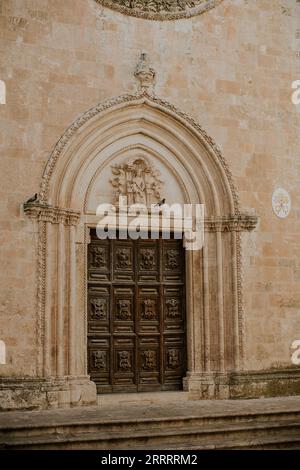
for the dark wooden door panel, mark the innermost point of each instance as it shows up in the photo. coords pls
(136, 314)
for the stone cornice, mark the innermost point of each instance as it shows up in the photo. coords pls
(160, 10)
(232, 223)
(54, 215)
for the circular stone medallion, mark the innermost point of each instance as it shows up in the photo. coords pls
(160, 9)
(281, 203)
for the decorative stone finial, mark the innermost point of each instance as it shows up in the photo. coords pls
(145, 73)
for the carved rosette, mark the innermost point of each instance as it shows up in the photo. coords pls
(160, 9)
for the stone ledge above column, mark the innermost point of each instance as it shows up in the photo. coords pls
(231, 223)
(54, 215)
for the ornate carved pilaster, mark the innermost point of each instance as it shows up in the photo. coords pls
(56, 262)
(72, 302)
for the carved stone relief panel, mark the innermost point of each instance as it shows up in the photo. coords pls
(281, 203)
(138, 181)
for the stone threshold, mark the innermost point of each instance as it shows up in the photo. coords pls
(142, 398)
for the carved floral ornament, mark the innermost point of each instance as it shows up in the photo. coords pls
(160, 9)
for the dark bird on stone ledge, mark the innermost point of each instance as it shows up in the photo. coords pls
(160, 203)
(32, 199)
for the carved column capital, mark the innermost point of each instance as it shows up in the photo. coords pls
(54, 215)
(231, 223)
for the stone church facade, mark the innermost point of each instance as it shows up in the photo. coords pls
(190, 102)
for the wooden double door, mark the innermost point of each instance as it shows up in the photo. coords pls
(136, 314)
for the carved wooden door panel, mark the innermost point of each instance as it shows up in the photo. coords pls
(136, 314)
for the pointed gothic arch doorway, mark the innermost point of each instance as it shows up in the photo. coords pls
(76, 179)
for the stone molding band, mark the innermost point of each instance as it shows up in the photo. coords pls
(232, 223)
(55, 215)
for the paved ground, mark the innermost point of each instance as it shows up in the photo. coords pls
(155, 411)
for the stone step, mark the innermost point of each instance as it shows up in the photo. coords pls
(211, 436)
(130, 420)
(286, 442)
(175, 424)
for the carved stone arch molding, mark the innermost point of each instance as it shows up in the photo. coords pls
(161, 10)
(115, 133)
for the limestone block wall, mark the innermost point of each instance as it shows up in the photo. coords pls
(230, 68)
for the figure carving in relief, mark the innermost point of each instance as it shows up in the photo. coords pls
(138, 188)
(138, 181)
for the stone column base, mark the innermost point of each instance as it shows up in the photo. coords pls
(243, 384)
(21, 393)
(207, 386)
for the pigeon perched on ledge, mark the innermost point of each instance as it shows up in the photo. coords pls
(32, 199)
(160, 203)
